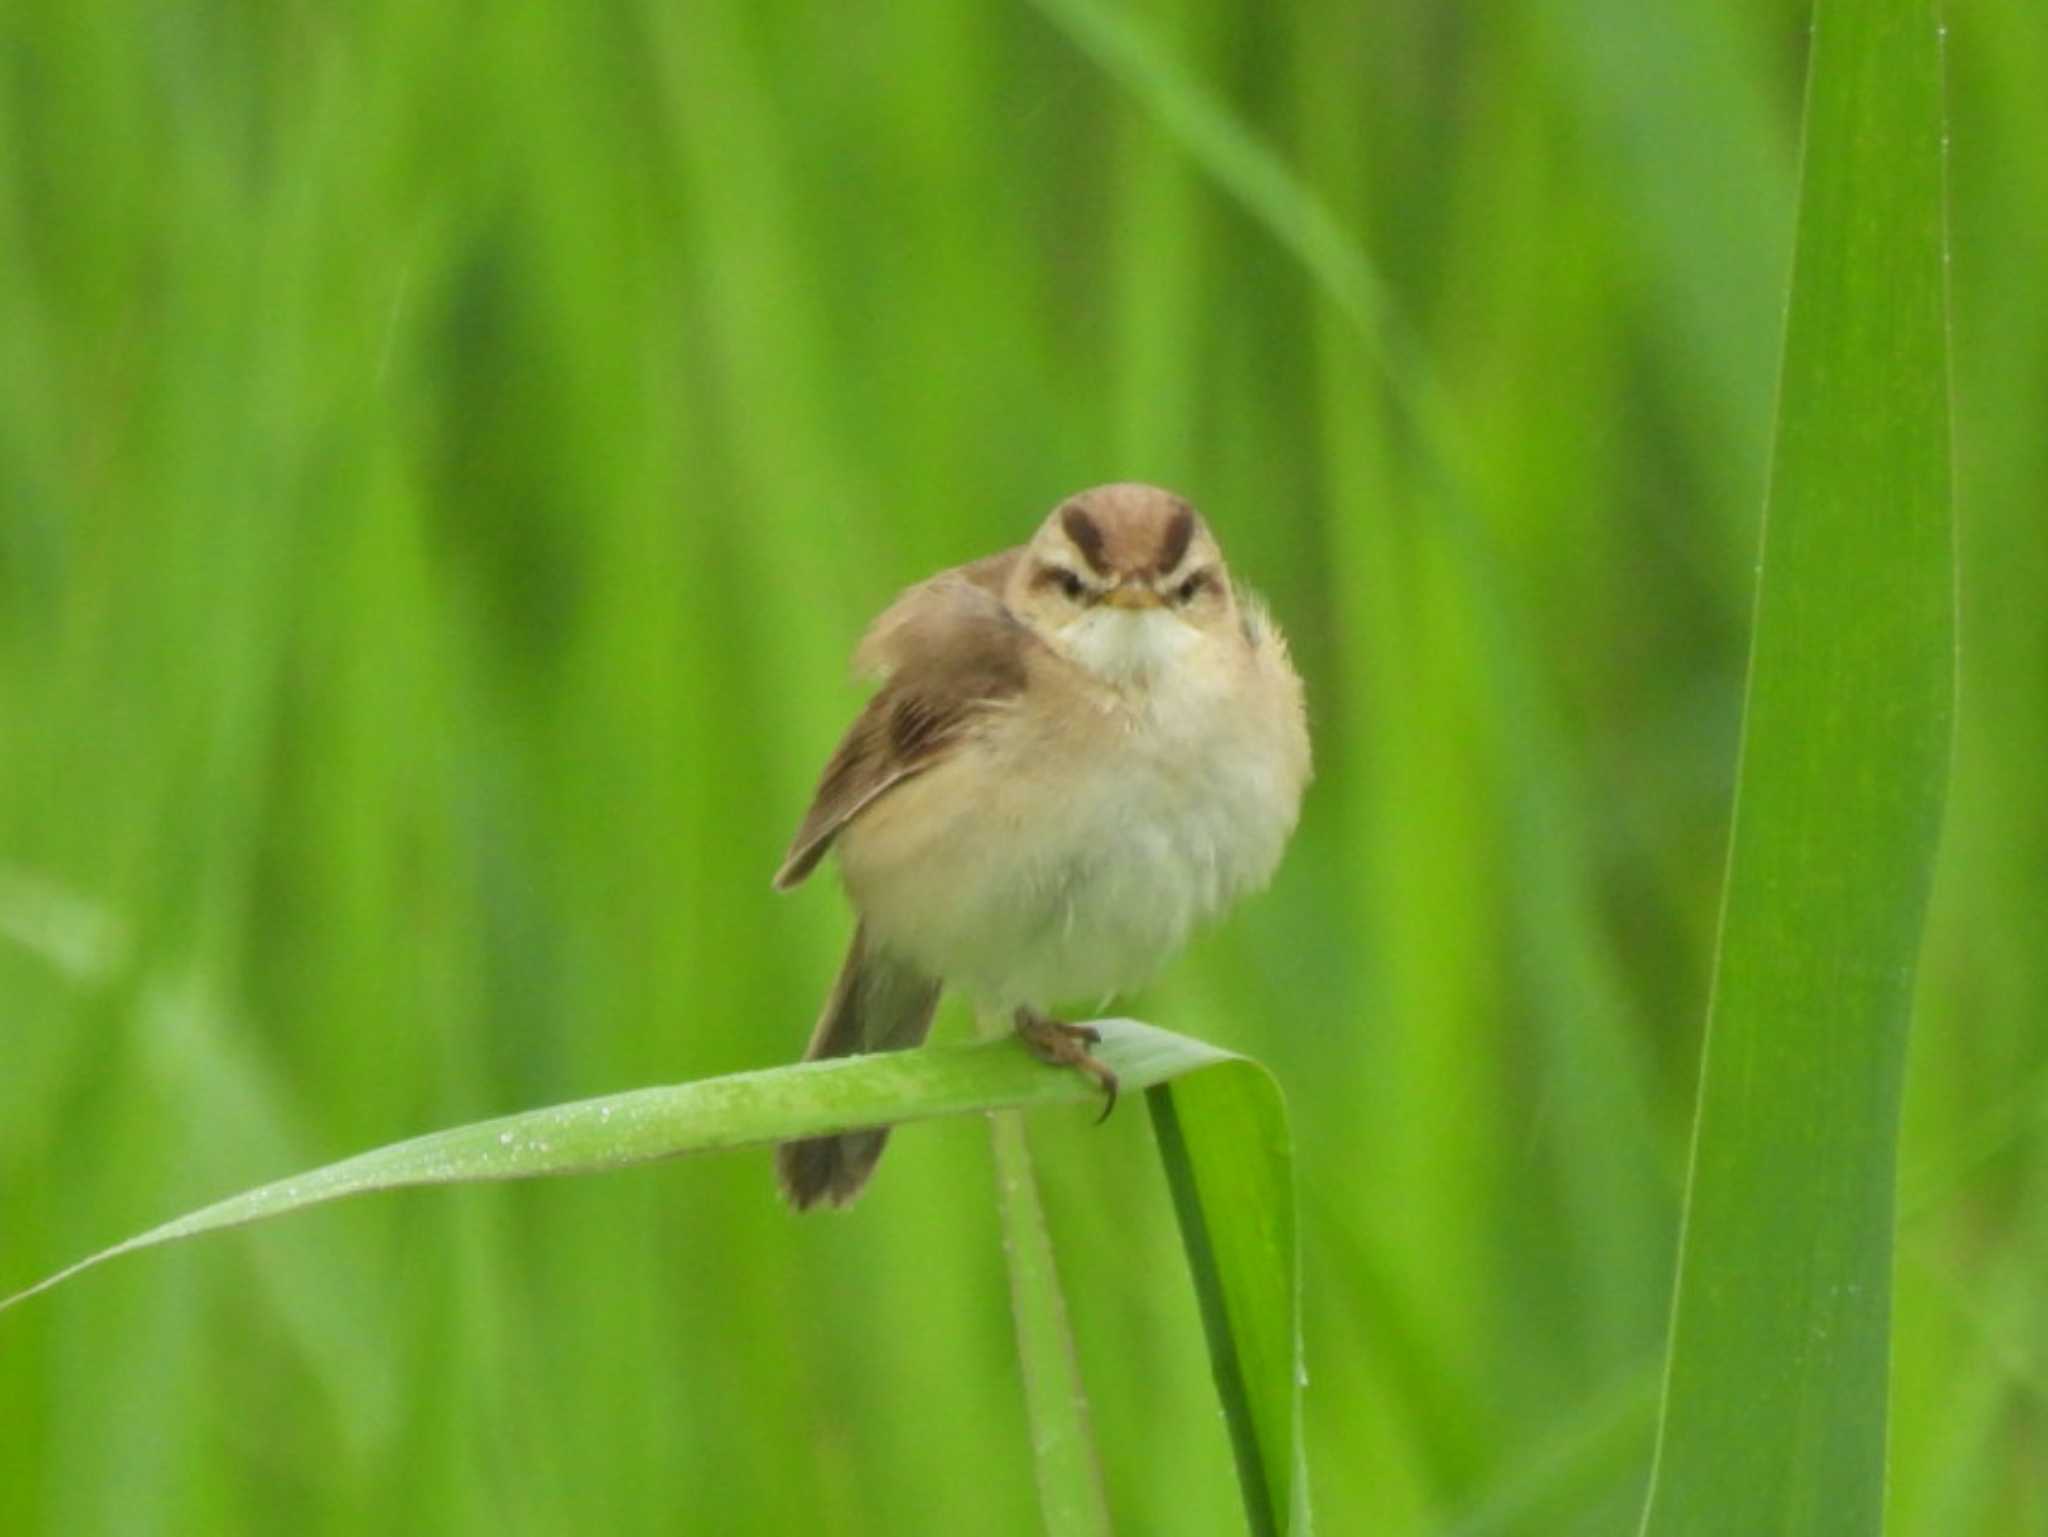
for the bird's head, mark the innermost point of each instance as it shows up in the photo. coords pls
(1123, 579)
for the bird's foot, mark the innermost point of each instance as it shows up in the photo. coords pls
(1064, 1045)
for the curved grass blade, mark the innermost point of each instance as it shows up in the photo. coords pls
(1303, 224)
(1223, 1136)
(615, 1131)
(1774, 1408)
(1230, 1164)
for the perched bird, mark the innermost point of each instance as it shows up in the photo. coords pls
(1080, 748)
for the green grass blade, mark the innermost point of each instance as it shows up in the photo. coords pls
(1071, 1500)
(1223, 1137)
(1126, 51)
(739, 1110)
(1774, 1414)
(1230, 1163)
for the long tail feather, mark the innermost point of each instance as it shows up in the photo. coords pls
(878, 1004)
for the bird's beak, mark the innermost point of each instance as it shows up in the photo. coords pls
(1131, 595)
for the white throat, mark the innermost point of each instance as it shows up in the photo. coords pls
(1126, 646)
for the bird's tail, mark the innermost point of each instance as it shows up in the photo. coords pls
(879, 1003)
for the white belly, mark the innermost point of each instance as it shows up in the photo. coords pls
(1040, 871)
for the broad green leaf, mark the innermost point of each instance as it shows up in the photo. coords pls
(1230, 1162)
(615, 1131)
(1774, 1412)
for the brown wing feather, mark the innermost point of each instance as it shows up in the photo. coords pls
(923, 620)
(950, 651)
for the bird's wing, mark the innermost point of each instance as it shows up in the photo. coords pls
(922, 617)
(949, 652)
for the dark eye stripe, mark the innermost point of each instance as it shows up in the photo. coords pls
(1049, 575)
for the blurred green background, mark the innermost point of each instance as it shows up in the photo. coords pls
(446, 455)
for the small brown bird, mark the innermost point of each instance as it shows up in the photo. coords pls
(1080, 748)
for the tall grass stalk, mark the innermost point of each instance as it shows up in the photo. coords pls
(1775, 1404)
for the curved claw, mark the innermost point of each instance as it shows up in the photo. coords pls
(1063, 1045)
(1107, 1078)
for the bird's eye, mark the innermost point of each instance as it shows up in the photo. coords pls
(1185, 593)
(1070, 585)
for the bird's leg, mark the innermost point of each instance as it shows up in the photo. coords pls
(1064, 1045)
